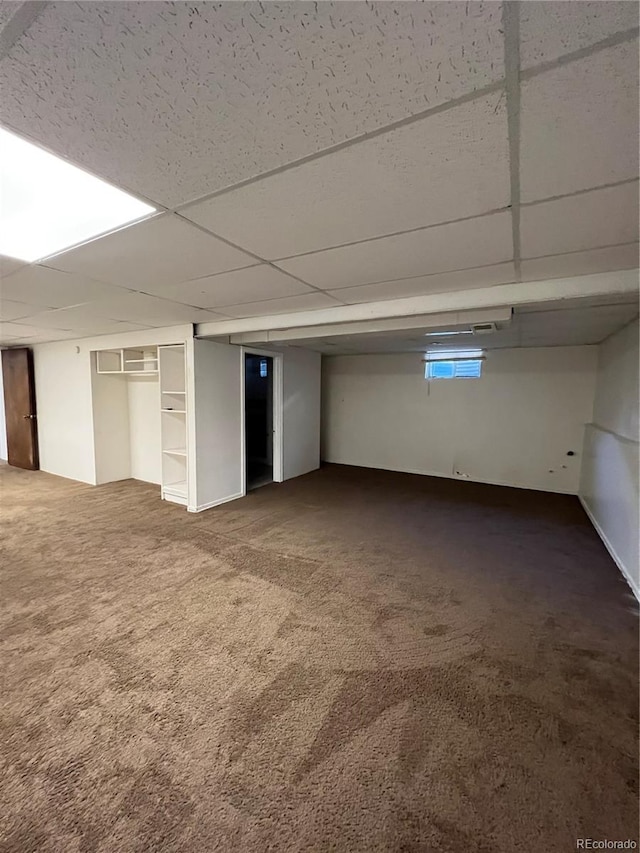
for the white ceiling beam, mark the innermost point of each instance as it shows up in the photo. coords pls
(390, 326)
(601, 284)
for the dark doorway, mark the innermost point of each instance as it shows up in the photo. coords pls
(20, 408)
(258, 420)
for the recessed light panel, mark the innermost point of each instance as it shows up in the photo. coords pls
(448, 334)
(48, 205)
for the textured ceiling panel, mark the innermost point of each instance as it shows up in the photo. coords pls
(78, 320)
(579, 124)
(18, 331)
(440, 283)
(9, 265)
(251, 86)
(43, 336)
(231, 288)
(150, 310)
(42, 286)
(582, 222)
(306, 302)
(153, 254)
(550, 30)
(434, 170)
(10, 310)
(461, 245)
(581, 263)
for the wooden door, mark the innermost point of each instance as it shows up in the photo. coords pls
(20, 408)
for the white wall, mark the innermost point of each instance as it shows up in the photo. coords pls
(301, 411)
(609, 483)
(65, 414)
(513, 426)
(145, 446)
(216, 391)
(3, 422)
(110, 404)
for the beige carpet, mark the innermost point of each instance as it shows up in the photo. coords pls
(351, 661)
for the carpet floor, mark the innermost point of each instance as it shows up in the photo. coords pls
(354, 660)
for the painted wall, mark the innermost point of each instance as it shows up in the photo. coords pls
(301, 411)
(65, 413)
(215, 386)
(110, 405)
(145, 446)
(514, 426)
(3, 422)
(609, 483)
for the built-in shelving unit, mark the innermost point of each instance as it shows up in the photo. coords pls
(129, 361)
(173, 408)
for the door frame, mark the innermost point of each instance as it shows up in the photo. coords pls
(278, 412)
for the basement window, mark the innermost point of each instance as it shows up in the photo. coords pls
(453, 365)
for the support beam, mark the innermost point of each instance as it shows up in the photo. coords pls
(392, 326)
(602, 284)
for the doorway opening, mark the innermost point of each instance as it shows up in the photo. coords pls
(258, 420)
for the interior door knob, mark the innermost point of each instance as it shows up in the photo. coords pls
(28, 417)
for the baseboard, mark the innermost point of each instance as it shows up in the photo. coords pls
(215, 503)
(457, 478)
(635, 589)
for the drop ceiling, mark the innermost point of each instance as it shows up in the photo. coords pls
(579, 322)
(305, 156)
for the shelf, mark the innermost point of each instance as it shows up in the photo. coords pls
(133, 361)
(179, 489)
(175, 411)
(176, 451)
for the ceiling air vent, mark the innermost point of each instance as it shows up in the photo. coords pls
(483, 328)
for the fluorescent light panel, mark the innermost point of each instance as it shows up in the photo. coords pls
(48, 205)
(452, 354)
(448, 334)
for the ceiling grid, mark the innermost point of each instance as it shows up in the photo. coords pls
(308, 157)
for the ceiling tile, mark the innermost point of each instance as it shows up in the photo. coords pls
(47, 335)
(79, 320)
(550, 30)
(232, 288)
(581, 263)
(306, 302)
(580, 302)
(579, 124)
(460, 245)
(10, 310)
(9, 265)
(439, 283)
(577, 325)
(452, 165)
(598, 218)
(18, 331)
(251, 86)
(150, 310)
(44, 287)
(153, 254)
